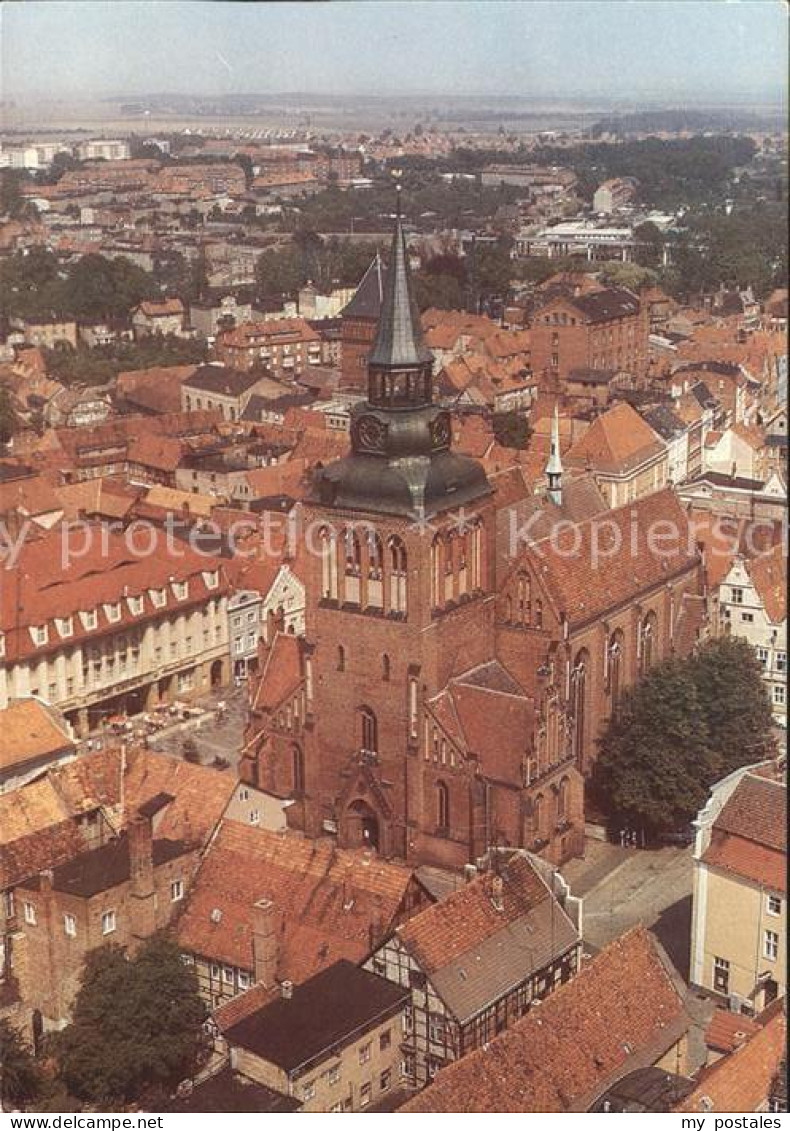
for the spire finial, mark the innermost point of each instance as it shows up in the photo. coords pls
(554, 466)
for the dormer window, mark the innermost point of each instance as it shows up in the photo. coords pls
(40, 635)
(181, 590)
(113, 611)
(135, 605)
(158, 597)
(211, 579)
(89, 619)
(65, 625)
(2, 644)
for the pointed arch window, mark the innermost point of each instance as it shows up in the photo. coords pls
(615, 667)
(386, 668)
(353, 565)
(437, 572)
(341, 658)
(647, 643)
(442, 806)
(539, 817)
(369, 730)
(328, 550)
(375, 571)
(562, 801)
(397, 564)
(579, 692)
(524, 599)
(297, 761)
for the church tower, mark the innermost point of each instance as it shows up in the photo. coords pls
(400, 593)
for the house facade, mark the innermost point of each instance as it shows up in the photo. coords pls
(467, 966)
(115, 633)
(752, 604)
(739, 911)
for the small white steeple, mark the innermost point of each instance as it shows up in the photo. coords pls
(554, 466)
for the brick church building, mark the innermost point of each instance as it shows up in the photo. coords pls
(428, 711)
(359, 322)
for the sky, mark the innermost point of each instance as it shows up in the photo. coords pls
(613, 49)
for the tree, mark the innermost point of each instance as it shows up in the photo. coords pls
(9, 421)
(629, 275)
(137, 1023)
(655, 763)
(20, 1077)
(512, 429)
(441, 291)
(651, 244)
(734, 702)
(279, 271)
(687, 724)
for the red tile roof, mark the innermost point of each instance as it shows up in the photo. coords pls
(622, 1010)
(281, 675)
(727, 1031)
(769, 575)
(617, 441)
(164, 308)
(741, 1082)
(757, 810)
(467, 917)
(585, 584)
(333, 903)
(749, 836)
(29, 730)
(53, 578)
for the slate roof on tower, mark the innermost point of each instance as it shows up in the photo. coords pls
(399, 340)
(369, 295)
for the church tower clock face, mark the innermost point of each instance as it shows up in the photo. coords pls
(370, 434)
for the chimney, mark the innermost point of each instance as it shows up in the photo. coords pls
(497, 892)
(140, 838)
(265, 943)
(286, 989)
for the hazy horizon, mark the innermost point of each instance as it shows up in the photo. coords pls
(716, 52)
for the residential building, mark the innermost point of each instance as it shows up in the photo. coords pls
(752, 603)
(244, 630)
(739, 911)
(163, 316)
(112, 632)
(103, 149)
(332, 1043)
(479, 959)
(604, 329)
(220, 387)
(627, 457)
(209, 317)
(738, 450)
(287, 347)
(47, 332)
(98, 849)
(751, 1077)
(623, 1010)
(33, 737)
(612, 195)
(675, 434)
(295, 907)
